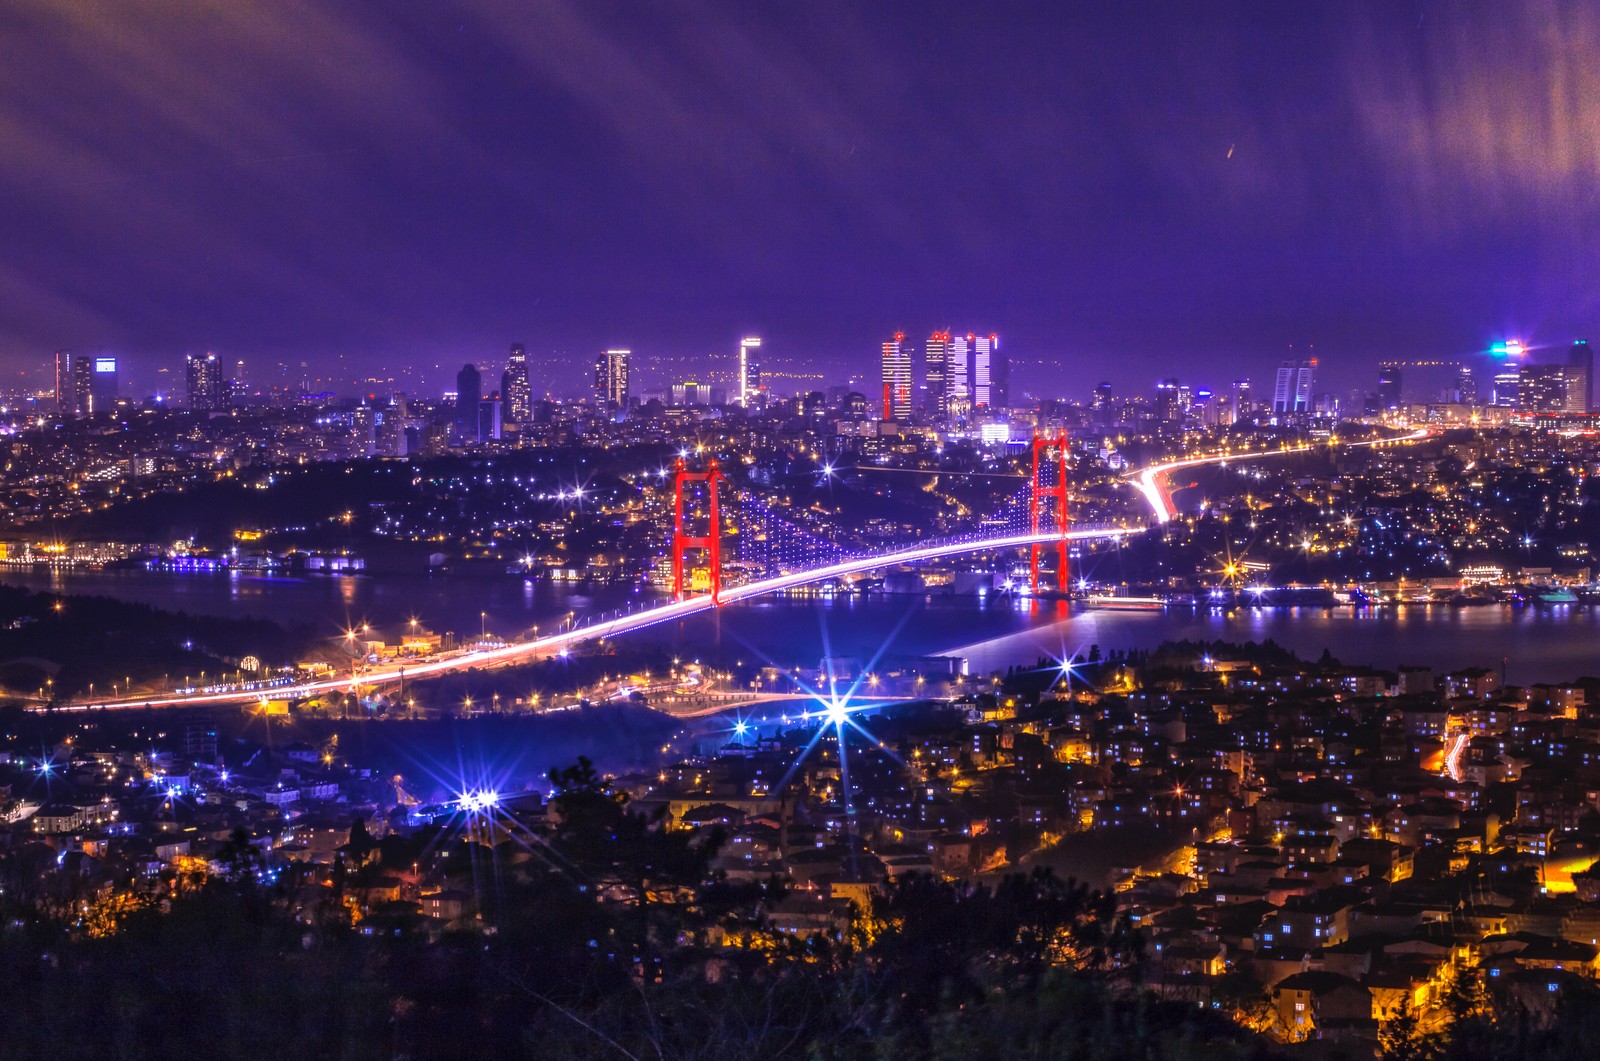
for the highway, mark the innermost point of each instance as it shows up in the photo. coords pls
(1149, 481)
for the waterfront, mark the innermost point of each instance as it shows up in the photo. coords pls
(1538, 643)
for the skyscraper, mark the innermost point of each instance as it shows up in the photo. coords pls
(999, 374)
(82, 386)
(982, 370)
(207, 389)
(517, 388)
(1167, 408)
(469, 392)
(937, 363)
(66, 403)
(897, 379)
(1541, 388)
(1466, 386)
(611, 378)
(1580, 377)
(748, 382)
(103, 385)
(1291, 393)
(1241, 399)
(1388, 387)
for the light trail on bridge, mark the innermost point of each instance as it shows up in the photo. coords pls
(1145, 480)
(1148, 481)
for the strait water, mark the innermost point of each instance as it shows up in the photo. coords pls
(1536, 643)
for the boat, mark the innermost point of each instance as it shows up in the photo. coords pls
(1558, 596)
(1142, 604)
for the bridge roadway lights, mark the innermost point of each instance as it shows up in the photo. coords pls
(711, 541)
(1039, 493)
(517, 651)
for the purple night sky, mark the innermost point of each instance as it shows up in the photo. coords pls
(1123, 190)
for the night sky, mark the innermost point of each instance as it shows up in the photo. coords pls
(1122, 190)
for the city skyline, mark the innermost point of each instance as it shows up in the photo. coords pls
(1122, 189)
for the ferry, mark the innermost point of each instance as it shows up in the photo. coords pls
(1141, 604)
(1558, 596)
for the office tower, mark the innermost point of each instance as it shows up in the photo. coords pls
(517, 387)
(1542, 388)
(469, 392)
(488, 420)
(937, 364)
(747, 384)
(1167, 410)
(1466, 386)
(1580, 378)
(611, 378)
(1507, 380)
(999, 374)
(1241, 399)
(83, 385)
(897, 379)
(1101, 398)
(1292, 391)
(207, 390)
(958, 366)
(103, 385)
(982, 378)
(65, 402)
(1388, 387)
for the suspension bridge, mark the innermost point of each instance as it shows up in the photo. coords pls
(1048, 530)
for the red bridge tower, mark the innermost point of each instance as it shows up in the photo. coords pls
(1040, 494)
(711, 541)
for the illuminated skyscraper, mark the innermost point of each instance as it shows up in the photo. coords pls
(748, 382)
(516, 387)
(66, 401)
(981, 365)
(611, 378)
(103, 385)
(1466, 386)
(208, 391)
(1293, 388)
(937, 363)
(897, 379)
(999, 374)
(82, 386)
(1580, 378)
(1541, 388)
(1241, 399)
(1167, 407)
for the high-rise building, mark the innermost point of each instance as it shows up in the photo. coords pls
(66, 400)
(999, 374)
(1167, 406)
(1541, 388)
(611, 378)
(208, 391)
(516, 387)
(83, 385)
(1507, 380)
(1292, 391)
(982, 370)
(469, 393)
(103, 385)
(937, 365)
(1580, 378)
(1466, 386)
(897, 379)
(488, 425)
(1241, 399)
(748, 382)
(1388, 387)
